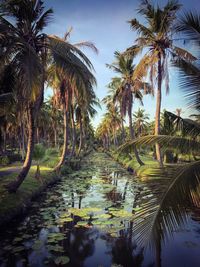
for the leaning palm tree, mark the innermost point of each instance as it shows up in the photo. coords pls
(156, 38)
(28, 50)
(128, 90)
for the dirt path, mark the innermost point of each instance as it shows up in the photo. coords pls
(9, 171)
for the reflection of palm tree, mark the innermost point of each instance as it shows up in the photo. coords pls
(123, 252)
(81, 245)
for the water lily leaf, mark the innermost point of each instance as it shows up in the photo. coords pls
(121, 213)
(55, 248)
(18, 239)
(104, 216)
(137, 208)
(8, 247)
(18, 249)
(53, 237)
(61, 260)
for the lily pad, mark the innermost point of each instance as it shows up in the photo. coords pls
(61, 260)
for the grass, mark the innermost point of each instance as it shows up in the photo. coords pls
(11, 204)
(142, 171)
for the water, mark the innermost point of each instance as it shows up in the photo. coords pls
(87, 220)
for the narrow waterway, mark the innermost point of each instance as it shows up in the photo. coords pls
(87, 220)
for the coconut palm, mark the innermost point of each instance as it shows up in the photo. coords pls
(85, 110)
(164, 209)
(28, 50)
(140, 121)
(68, 85)
(156, 39)
(111, 99)
(128, 90)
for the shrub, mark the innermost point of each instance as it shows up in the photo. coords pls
(39, 152)
(4, 160)
(51, 152)
(65, 170)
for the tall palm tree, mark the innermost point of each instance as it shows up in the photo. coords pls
(85, 110)
(111, 99)
(140, 121)
(28, 50)
(164, 210)
(68, 85)
(129, 89)
(156, 37)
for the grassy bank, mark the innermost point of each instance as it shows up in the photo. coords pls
(12, 205)
(131, 163)
(15, 204)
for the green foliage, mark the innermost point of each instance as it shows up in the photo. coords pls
(52, 151)
(65, 169)
(61, 260)
(4, 160)
(50, 161)
(39, 152)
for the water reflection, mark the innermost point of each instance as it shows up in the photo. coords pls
(101, 216)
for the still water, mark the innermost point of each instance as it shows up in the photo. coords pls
(87, 220)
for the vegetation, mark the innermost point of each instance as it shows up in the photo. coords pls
(54, 136)
(176, 140)
(30, 59)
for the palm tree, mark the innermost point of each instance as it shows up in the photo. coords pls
(111, 99)
(157, 38)
(140, 120)
(68, 85)
(83, 112)
(129, 89)
(28, 50)
(164, 209)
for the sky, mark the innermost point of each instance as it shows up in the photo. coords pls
(105, 23)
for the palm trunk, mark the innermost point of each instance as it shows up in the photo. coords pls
(65, 144)
(55, 137)
(38, 135)
(81, 137)
(73, 135)
(14, 185)
(22, 141)
(132, 135)
(158, 108)
(123, 131)
(4, 139)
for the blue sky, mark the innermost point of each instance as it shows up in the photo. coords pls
(105, 24)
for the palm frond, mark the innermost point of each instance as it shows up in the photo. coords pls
(87, 44)
(58, 45)
(187, 127)
(189, 24)
(180, 52)
(141, 29)
(189, 81)
(164, 203)
(183, 145)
